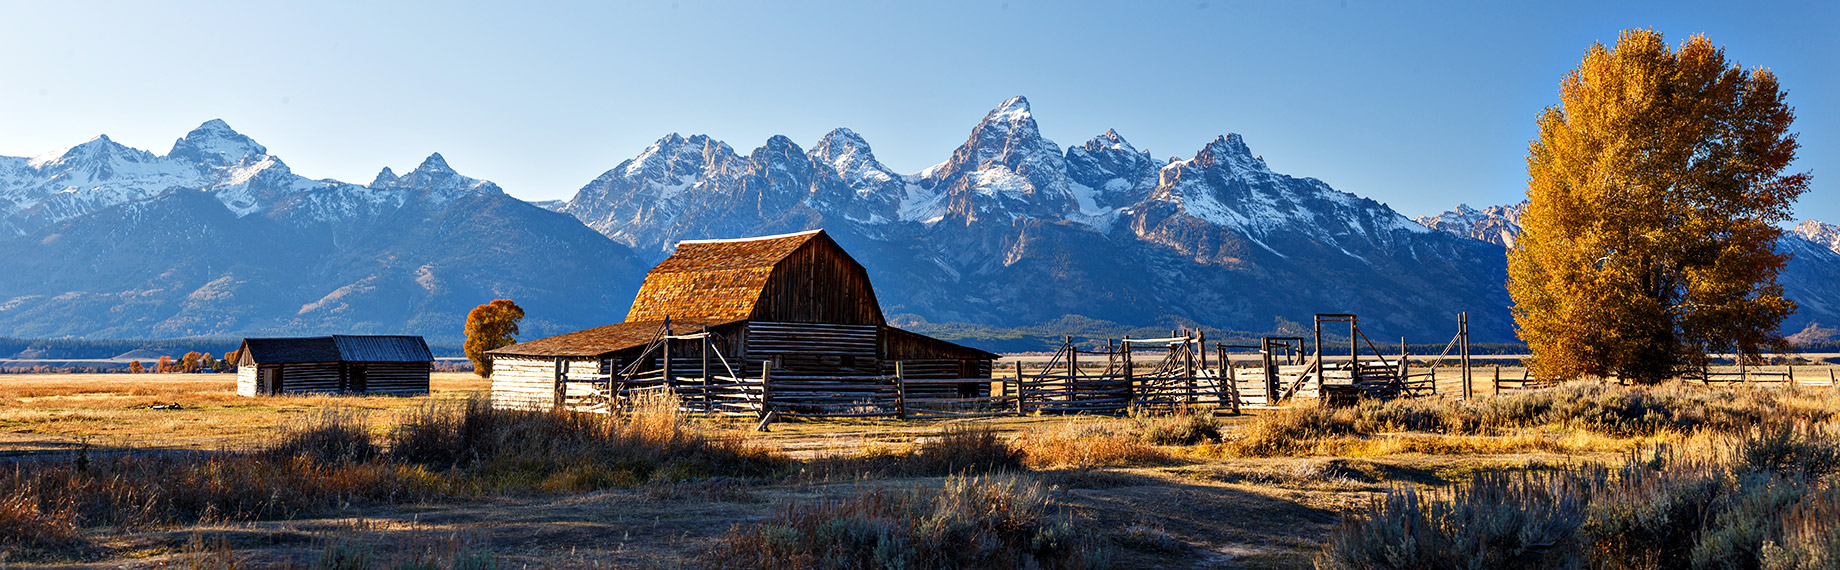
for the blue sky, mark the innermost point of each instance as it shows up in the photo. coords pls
(1417, 104)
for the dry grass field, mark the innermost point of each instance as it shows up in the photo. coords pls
(41, 412)
(429, 482)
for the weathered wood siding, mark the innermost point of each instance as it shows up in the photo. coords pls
(815, 349)
(246, 381)
(523, 383)
(309, 378)
(818, 283)
(394, 378)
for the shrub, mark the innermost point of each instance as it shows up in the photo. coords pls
(974, 522)
(1498, 520)
(1186, 427)
(1752, 501)
(961, 449)
(1294, 431)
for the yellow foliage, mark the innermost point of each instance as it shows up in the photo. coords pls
(1649, 238)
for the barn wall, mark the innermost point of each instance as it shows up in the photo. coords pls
(818, 283)
(246, 381)
(530, 383)
(397, 378)
(309, 377)
(814, 349)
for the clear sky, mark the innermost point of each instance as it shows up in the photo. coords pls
(1417, 104)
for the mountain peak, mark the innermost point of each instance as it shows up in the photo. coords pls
(843, 134)
(1828, 235)
(214, 143)
(95, 148)
(434, 163)
(1011, 110)
(1109, 140)
(384, 178)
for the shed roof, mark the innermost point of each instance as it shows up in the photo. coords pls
(599, 341)
(335, 348)
(714, 279)
(370, 348)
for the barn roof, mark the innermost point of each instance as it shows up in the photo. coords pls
(382, 348)
(335, 348)
(714, 279)
(602, 340)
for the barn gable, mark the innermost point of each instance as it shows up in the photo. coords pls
(795, 278)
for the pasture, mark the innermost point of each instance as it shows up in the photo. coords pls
(403, 486)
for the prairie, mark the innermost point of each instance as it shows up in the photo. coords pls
(101, 479)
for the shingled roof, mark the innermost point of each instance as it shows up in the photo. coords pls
(600, 341)
(714, 279)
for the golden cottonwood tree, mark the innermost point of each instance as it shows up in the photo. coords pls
(1649, 238)
(489, 326)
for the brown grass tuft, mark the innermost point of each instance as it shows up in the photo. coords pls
(1084, 445)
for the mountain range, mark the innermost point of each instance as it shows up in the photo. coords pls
(217, 237)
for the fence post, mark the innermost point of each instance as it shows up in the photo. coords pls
(1019, 409)
(1463, 333)
(1790, 378)
(900, 393)
(1498, 380)
(766, 388)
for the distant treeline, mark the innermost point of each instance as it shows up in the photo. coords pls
(81, 349)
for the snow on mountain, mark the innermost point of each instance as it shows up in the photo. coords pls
(231, 167)
(877, 195)
(1498, 225)
(1827, 235)
(1229, 187)
(1005, 170)
(654, 188)
(218, 238)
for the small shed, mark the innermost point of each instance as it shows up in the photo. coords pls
(795, 303)
(337, 364)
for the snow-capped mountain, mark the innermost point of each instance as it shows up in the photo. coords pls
(1498, 225)
(1011, 229)
(1824, 234)
(218, 237)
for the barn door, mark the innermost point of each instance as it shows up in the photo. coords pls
(359, 382)
(268, 380)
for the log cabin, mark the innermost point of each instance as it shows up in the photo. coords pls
(337, 364)
(796, 304)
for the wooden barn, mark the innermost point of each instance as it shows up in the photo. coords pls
(721, 313)
(338, 364)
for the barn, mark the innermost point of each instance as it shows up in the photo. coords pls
(338, 364)
(730, 311)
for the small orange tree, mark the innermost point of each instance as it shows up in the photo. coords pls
(491, 326)
(165, 364)
(134, 367)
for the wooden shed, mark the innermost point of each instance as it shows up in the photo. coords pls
(795, 303)
(338, 364)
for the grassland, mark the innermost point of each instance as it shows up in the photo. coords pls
(424, 482)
